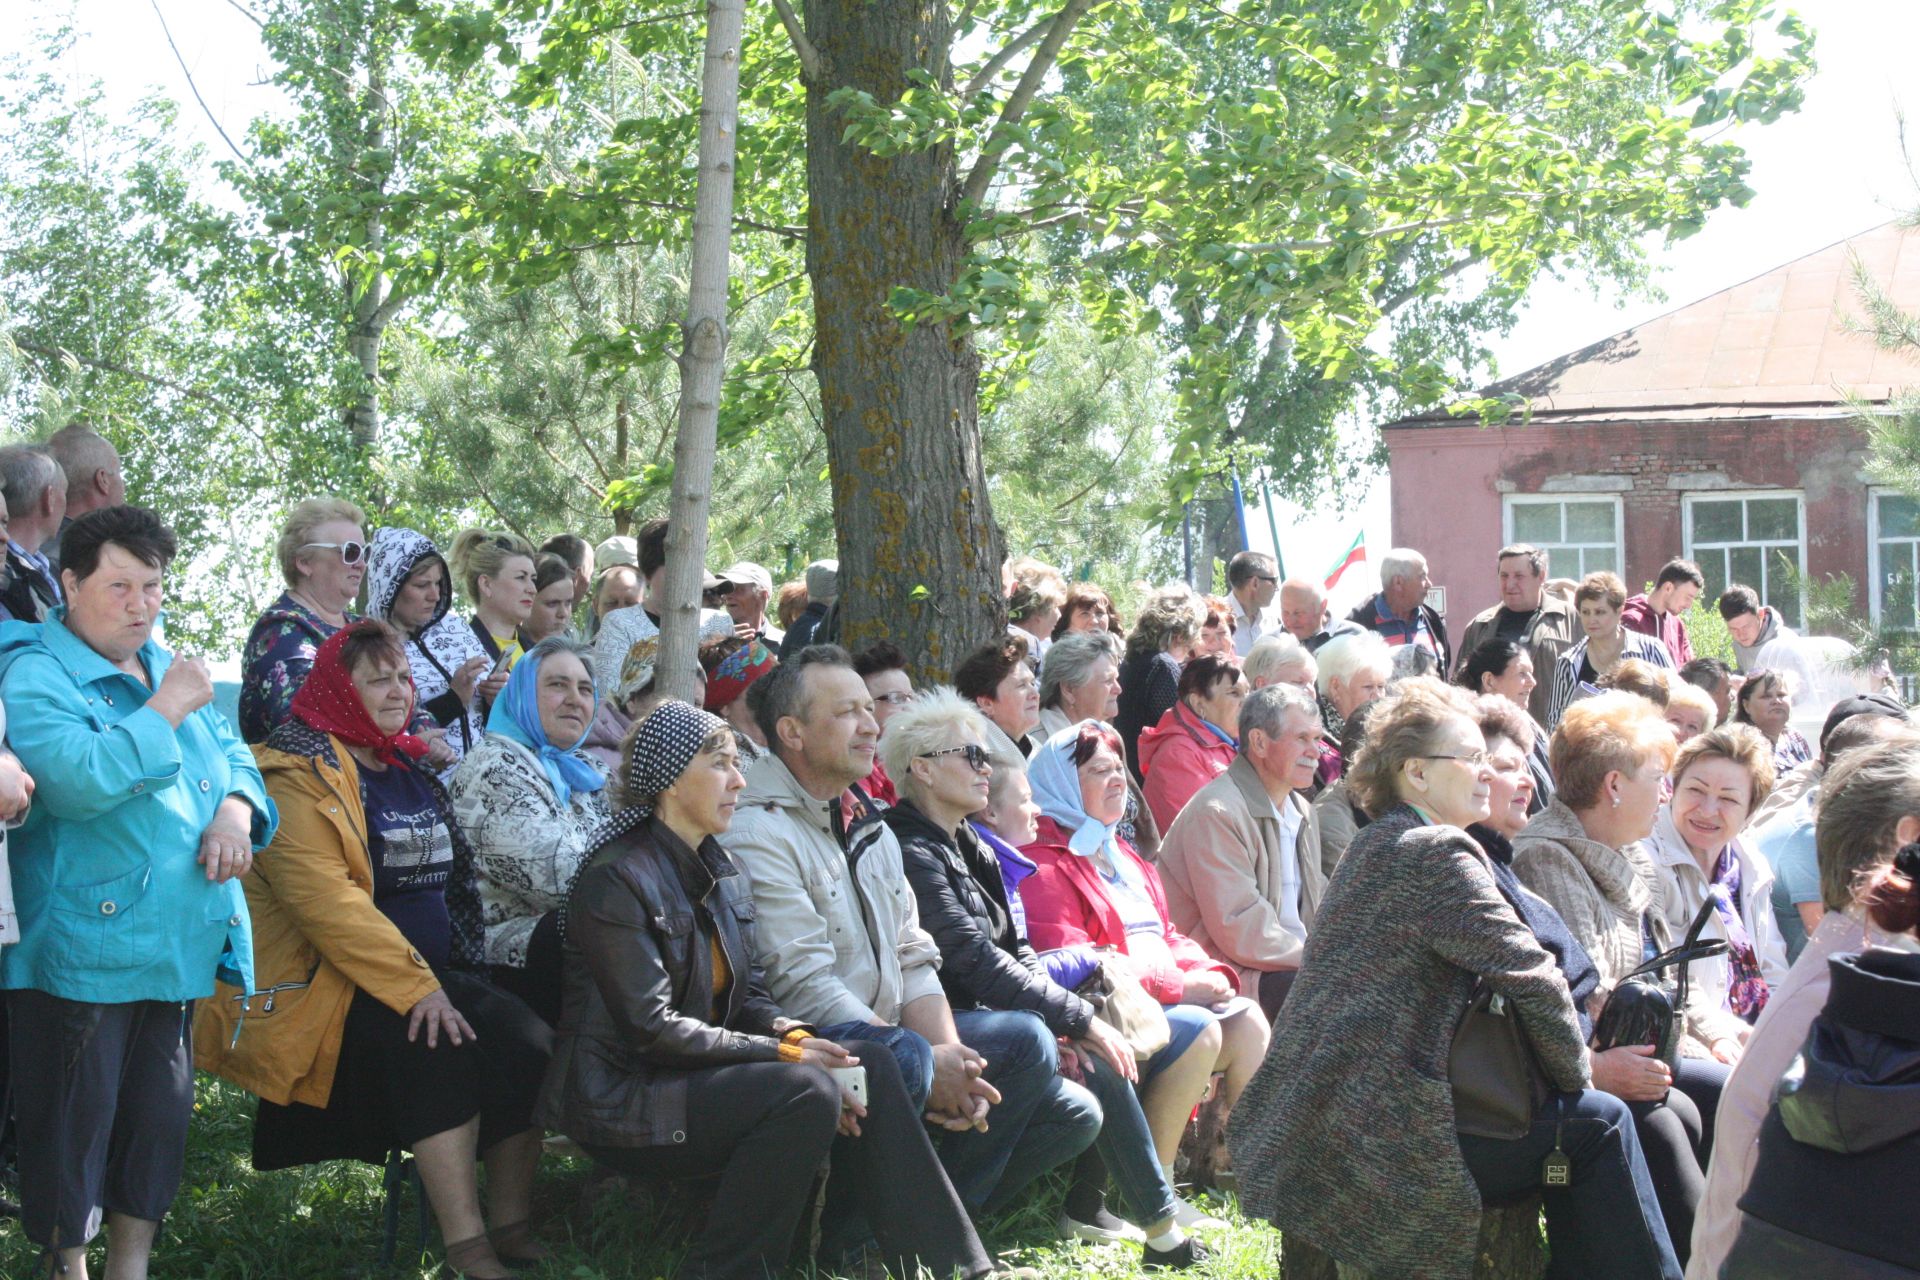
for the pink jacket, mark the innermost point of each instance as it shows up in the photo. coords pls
(1179, 756)
(1777, 1038)
(1067, 905)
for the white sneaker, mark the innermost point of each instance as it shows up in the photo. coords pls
(1189, 1217)
(1106, 1231)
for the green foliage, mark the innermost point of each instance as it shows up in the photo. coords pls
(322, 1222)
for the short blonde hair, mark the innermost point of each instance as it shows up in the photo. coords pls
(302, 523)
(1632, 675)
(1610, 732)
(1601, 586)
(1403, 727)
(1680, 693)
(1742, 744)
(931, 722)
(1272, 654)
(483, 553)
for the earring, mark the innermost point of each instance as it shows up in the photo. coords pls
(1616, 802)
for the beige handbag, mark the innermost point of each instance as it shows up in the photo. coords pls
(1122, 1003)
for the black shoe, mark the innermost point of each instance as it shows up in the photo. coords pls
(1183, 1256)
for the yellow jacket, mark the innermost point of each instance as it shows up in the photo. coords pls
(317, 935)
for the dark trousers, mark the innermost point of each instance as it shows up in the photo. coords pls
(766, 1128)
(1607, 1223)
(537, 983)
(103, 1093)
(1274, 986)
(1674, 1138)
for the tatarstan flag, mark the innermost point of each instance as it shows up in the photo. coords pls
(1356, 554)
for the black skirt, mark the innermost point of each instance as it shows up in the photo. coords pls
(390, 1092)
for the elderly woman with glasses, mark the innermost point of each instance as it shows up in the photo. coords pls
(529, 800)
(1347, 1137)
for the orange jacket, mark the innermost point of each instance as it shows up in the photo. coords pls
(317, 937)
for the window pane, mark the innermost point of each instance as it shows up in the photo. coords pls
(1590, 522)
(1746, 566)
(1713, 567)
(1783, 564)
(1897, 580)
(1536, 522)
(1717, 521)
(1594, 559)
(1899, 516)
(1773, 520)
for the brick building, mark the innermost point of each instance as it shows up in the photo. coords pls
(1720, 430)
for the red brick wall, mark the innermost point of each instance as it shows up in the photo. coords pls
(1447, 489)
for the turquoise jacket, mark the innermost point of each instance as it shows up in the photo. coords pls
(114, 905)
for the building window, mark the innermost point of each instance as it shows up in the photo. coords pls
(1580, 535)
(1896, 559)
(1758, 539)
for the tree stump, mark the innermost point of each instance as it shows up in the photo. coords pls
(1509, 1249)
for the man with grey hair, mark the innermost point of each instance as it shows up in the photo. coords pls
(94, 480)
(749, 591)
(1241, 864)
(35, 490)
(1529, 615)
(823, 589)
(1400, 614)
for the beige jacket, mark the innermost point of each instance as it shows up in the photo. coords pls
(1603, 894)
(838, 933)
(1222, 863)
(1777, 1039)
(1333, 813)
(1552, 632)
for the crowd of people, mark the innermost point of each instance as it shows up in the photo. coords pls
(459, 880)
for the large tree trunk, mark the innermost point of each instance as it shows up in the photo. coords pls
(703, 357)
(919, 550)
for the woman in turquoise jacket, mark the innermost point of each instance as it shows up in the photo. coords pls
(147, 809)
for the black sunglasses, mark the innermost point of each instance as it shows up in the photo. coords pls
(976, 755)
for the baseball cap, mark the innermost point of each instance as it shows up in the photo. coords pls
(747, 573)
(1861, 704)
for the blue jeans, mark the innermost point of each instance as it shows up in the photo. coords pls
(1041, 1121)
(1608, 1222)
(1125, 1145)
(909, 1048)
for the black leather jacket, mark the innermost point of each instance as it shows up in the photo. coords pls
(637, 1012)
(985, 962)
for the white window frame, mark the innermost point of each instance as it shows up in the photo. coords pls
(1508, 501)
(1746, 495)
(1876, 587)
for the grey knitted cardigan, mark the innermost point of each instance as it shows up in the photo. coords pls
(1345, 1135)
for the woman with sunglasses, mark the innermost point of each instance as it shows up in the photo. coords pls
(322, 552)
(936, 750)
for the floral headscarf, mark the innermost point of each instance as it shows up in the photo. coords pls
(516, 717)
(329, 702)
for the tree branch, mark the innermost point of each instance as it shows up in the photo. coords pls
(195, 89)
(998, 62)
(1296, 246)
(1058, 29)
(126, 371)
(1412, 291)
(813, 68)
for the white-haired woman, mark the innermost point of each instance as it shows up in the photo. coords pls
(322, 552)
(1353, 669)
(1079, 680)
(935, 751)
(1280, 659)
(1161, 641)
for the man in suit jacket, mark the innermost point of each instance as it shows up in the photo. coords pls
(1541, 622)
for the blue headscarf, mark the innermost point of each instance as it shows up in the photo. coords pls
(1055, 780)
(516, 716)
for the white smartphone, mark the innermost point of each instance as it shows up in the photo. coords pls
(852, 1082)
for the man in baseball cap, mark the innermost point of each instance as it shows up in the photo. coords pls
(752, 591)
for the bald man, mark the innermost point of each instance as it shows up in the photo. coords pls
(94, 480)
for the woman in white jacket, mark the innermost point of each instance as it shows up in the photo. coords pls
(1719, 778)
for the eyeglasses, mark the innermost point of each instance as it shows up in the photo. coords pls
(976, 756)
(350, 552)
(1478, 759)
(1264, 577)
(894, 699)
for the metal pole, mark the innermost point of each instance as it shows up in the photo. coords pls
(1266, 497)
(1186, 541)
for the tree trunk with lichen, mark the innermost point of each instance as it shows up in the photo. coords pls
(919, 550)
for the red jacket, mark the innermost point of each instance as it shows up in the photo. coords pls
(1179, 756)
(1637, 614)
(1067, 905)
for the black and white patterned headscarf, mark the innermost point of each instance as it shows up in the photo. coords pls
(664, 744)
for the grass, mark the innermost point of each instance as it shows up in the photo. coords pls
(230, 1223)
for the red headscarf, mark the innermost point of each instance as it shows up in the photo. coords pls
(329, 702)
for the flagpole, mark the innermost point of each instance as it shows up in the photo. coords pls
(1266, 496)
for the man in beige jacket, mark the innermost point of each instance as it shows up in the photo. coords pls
(1241, 864)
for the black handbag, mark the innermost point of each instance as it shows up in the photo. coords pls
(1497, 1085)
(1645, 1008)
